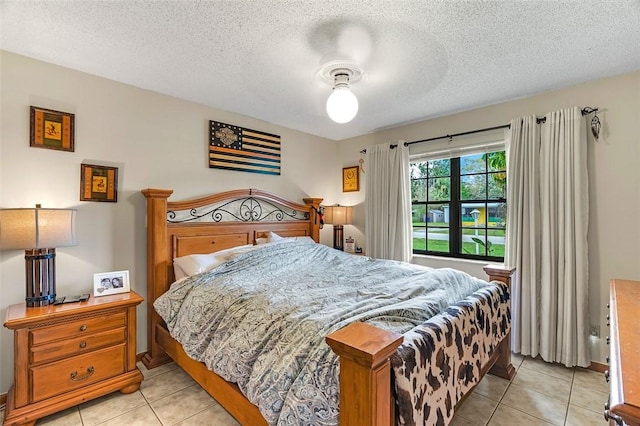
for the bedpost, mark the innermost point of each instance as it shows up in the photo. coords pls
(365, 373)
(315, 223)
(156, 269)
(502, 367)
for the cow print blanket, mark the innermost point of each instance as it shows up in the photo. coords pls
(441, 359)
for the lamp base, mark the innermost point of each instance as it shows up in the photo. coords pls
(40, 271)
(338, 237)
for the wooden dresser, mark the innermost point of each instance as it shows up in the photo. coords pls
(71, 353)
(623, 406)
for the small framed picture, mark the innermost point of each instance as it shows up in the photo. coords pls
(98, 183)
(350, 245)
(107, 283)
(351, 179)
(52, 129)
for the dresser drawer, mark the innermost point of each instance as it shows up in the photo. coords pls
(79, 327)
(72, 373)
(77, 345)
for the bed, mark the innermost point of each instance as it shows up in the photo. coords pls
(440, 359)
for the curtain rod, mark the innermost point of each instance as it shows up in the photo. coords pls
(585, 111)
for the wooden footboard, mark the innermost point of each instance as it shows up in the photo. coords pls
(365, 373)
(364, 350)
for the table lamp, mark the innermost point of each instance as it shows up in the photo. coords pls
(338, 216)
(38, 232)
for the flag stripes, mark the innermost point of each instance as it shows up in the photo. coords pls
(235, 148)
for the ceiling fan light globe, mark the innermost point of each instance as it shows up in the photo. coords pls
(342, 105)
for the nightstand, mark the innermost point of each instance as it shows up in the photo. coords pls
(71, 353)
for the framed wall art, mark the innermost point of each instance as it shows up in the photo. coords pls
(52, 129)
(107, 283)
(351, 179)
(98, 183)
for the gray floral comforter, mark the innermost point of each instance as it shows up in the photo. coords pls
(259, 319)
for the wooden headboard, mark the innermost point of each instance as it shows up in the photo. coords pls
(211, 223)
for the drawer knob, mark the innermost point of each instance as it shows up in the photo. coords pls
(76, 378)
(83, 345)
(83, 327)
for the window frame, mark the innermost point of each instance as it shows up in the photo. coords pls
(455, 208)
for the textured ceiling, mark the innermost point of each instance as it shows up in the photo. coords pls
(421, 59)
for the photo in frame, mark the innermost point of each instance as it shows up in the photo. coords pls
(52, 129)
(350, 245)
(98, 183)
(351, 179)
(107, 283)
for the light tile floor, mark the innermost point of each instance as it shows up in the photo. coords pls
(539, 394)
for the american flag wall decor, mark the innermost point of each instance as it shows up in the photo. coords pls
(236, 148)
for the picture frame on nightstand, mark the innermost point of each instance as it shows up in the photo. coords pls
(107, 283)
(350, 245)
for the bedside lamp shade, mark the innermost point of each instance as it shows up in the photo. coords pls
(338, 216)
(38, 232)
(37, 228)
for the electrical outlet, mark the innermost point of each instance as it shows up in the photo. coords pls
(594, 330)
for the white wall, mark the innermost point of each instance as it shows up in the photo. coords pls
(614, 176)
(155, 141)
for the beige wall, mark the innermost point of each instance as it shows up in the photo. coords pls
(154, 140)
(614, 176)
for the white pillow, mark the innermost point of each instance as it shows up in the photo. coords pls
(305, 239)
(178, 273)
(273, 237)
(196, 263)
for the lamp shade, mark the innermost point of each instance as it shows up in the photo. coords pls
(342, 105)
(338, 215)
(37, 228)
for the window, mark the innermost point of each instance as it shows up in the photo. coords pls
(459, 206)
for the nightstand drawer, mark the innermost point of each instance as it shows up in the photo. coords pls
(72, 328)
(77, 372)
(77, 345)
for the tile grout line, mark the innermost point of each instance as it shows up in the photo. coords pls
(116, 415)
(493, 413)
(80, 414)
(148, 403)
(533, 390)
(566, 414)
(533, 415)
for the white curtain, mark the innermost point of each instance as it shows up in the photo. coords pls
(547, 221)
(388, 202)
